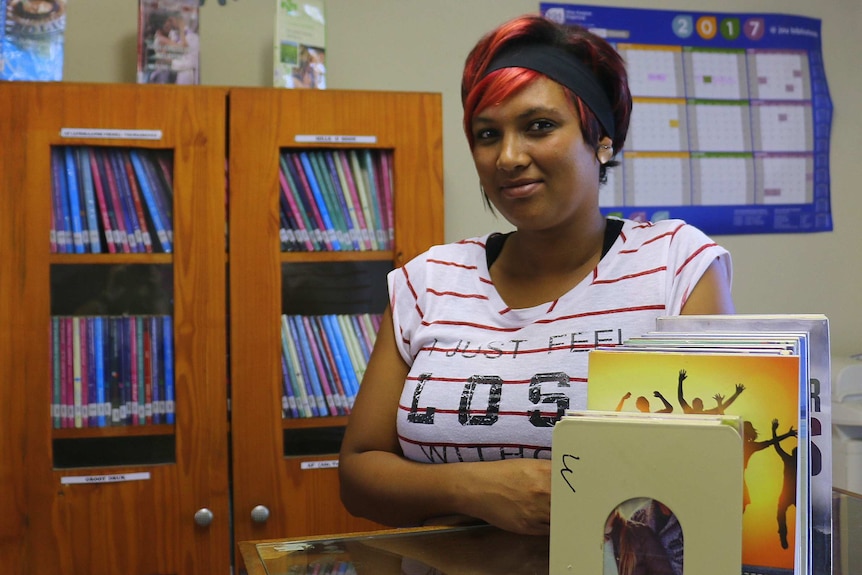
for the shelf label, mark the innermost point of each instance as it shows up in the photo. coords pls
(327, 464)
(112, 478)
(107, 133)
(332, 139)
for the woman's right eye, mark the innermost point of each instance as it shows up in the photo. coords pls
(485, 134)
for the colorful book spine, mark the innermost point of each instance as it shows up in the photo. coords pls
(369, 176)
(58, 227)
(113, 198)
(165, 191)
(56, 371)
(168, 366)
(325, 405)
(160, 185)
(297, 379)
(364, 198)
(304, 201)
(147, 369)
(114, 362)
(348, 216)
(306, 195)
(346, 364)
(329, 369)
(298, 216)
(343, 164)
(74, 197)
(99, 360)
(354, 214)
(134, 392)
(321, 175)
(317, 194)
(76, 373)
(135, 194)
(156, 368)
(388, 194)
(92, 240)
(149, 198)
(125, 372)
(133, 229)
(114, 180)
(306, 363)
(102, 202)
(92, 383)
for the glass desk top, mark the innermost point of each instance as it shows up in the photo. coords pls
(474, 550)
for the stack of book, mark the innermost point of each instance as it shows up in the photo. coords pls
(111, 200)
(336, 200)
(112, 370)
(323, 360)
(773, 371)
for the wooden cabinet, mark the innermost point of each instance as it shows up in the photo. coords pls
(114, 499)
(301, 492)
(173, 498)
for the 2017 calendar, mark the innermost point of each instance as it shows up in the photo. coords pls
(731, 118)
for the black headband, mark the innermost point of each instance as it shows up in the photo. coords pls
(564, 68)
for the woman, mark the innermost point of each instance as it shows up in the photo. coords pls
(484, 344)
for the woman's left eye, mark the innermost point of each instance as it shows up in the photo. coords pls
(541, 126)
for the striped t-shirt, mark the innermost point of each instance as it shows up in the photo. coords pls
(488, 382)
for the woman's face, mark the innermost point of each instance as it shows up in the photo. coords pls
(532, 160)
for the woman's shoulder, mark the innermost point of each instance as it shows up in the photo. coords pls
(672, 229)
(459, 251)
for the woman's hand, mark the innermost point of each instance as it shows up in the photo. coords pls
(513, 494)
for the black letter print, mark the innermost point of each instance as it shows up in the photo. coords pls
(414, 416)
(492, 412)
(537, 397)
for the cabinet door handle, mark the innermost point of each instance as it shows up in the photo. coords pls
(203, 517)
(260, 514)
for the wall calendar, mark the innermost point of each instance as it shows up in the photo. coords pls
(731, 118)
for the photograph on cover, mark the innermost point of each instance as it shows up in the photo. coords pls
(168, 42)
(643, 535)
(306, 65)
(32, 38)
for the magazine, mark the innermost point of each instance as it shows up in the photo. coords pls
(168, 42)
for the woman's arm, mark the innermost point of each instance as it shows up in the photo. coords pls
(378, 483)
(711, 295)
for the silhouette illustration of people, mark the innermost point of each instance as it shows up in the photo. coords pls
(696, 405)
(752, 446)
(642, 403)
(788, 486)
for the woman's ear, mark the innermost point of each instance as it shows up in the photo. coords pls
(605, 151)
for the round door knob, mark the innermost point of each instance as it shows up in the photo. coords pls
(203, 517)
(260, 514)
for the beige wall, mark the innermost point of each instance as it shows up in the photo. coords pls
(420, 45)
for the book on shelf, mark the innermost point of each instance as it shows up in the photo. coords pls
(761, 377)
(816, 327)
(322, 363)
(299, 47)
(336, 199)
(105, 371)
(168, 42)
(109, 199)
(108, 225)
(646, 493)
(91, 237)
(74, 197)
(168, 368)
(135, 204)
